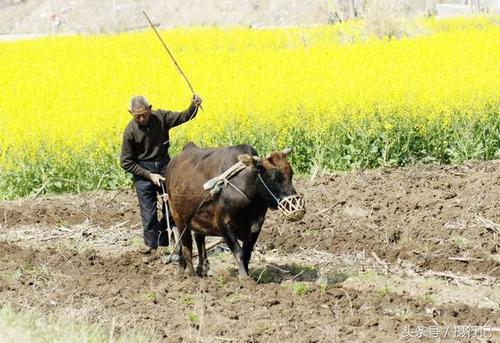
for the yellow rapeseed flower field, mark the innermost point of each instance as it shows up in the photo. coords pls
(342, 99)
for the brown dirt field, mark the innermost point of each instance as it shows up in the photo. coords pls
(379, 252)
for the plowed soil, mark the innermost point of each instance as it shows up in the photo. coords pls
(381, 255)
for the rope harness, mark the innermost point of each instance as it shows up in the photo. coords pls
(215, 184)
(175, 232)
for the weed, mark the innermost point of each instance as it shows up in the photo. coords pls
(300, 288)
(194, 319)
(187, 299)
(384, 291)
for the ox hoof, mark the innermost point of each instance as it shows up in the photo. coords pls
(189, 272)
(247, 281)
(243, 276)
(201, 272)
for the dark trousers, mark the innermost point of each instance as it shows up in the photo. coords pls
(155, 233)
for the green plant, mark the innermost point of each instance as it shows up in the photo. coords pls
(384, 291)
(220, 281)
(187, 299)
(323, 288)
(194, 319)
(151, 296)
(300, 288)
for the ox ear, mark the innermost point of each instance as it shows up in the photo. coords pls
(246, 159)
(257, 161)
(287, 151)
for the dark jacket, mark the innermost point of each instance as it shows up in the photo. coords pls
(150, 142)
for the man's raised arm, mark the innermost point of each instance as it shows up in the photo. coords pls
(176, 118)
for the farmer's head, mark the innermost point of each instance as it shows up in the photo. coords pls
(140, 109)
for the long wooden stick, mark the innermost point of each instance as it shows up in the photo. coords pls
(170, 54)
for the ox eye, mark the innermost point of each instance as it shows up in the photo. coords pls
(275, 175)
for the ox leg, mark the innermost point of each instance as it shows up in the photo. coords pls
(182, 260)
(248, 248)
(187, 251)
(202, 269)
(234, 245)
(179, 241)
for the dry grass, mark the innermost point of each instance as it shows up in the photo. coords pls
(31, 326)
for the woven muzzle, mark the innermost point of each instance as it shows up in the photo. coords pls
(292, 207)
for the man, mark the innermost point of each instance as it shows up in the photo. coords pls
(145, 155)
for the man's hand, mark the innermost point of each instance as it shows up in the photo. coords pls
(197, 100)
(156, 179)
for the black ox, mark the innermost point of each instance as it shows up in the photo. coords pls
(238, 210)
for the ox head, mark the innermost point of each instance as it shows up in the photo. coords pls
(274, 183)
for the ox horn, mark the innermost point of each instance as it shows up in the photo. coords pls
(257, 159)
(287, 151)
